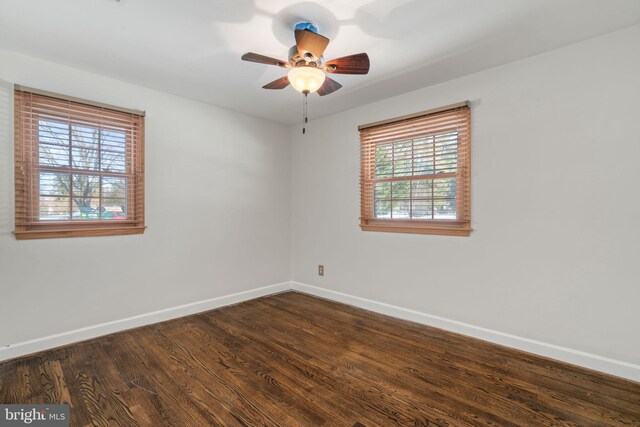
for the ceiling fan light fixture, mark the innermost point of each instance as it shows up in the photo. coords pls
(306, 78)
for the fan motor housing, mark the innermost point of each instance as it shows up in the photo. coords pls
(296, 59)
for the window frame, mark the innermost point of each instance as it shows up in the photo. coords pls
(28, 167)
(461, 123)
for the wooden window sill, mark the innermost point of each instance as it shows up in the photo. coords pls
(76, 232)
(437, 229)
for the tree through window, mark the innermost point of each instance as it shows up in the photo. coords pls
(82, 172)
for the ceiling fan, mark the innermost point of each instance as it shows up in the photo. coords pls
(307, 65)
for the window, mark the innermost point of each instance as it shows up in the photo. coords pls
(415, 173)
(79, 167)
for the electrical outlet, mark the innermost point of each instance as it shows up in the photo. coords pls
(320, 270)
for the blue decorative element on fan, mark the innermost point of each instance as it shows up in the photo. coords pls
(306, 26)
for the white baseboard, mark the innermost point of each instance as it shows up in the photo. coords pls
(32, 346)
(575, 357)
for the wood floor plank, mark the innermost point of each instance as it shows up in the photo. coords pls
(176, 386)
(579, 407)
(292, 374)
(400, 373)
(471, 347)
(153, 401)
(382, 397)
(135, 392)
(103, 403)
(253, 383)
(473, 351)
(407, 370)
(362, 376)
(296, 360)
(68, 357)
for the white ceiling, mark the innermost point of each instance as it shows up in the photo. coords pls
(193, 47)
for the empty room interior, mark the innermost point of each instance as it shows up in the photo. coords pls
(319, 213)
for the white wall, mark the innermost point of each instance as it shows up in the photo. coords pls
(553, 256)
(555, 204)
(218, 215)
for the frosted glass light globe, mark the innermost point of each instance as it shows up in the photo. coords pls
(306, 78)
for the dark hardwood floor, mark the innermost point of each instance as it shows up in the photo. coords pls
(292, 359)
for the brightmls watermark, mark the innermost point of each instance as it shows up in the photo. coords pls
(34, 415)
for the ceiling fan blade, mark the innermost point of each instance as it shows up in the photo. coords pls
(280, 83)
(308, 41)
(329, 86)
(352, 64)
(261, 59)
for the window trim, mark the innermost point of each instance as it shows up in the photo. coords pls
(27, 166)
(461, 226)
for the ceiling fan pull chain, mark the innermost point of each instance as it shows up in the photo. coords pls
(304, 114)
